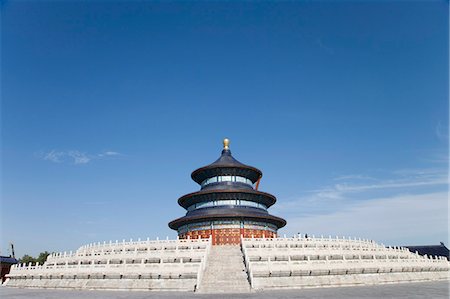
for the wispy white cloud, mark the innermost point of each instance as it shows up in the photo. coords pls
(441, 132)
(419, 172)
(404, 179)
(406, 201)
(398, 220)
(109, 154)
(54, 156)
(75, 156)
(388, 185)
(79, 157)
(353, 177)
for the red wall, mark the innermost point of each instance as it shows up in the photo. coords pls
(228, 235)
(5, 270)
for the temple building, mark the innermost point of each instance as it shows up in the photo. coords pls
(228, 205)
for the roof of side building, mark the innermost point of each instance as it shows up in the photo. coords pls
(431, 250)
(8, 260)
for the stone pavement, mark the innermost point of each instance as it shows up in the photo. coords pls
(432, 290)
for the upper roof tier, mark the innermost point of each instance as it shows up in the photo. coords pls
(226, 165)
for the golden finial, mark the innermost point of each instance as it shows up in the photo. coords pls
(226, 143)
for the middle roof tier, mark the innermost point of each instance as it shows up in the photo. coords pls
(228, 194)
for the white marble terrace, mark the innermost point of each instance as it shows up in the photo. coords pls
(297, 262)
(149, 265)
(314, 262)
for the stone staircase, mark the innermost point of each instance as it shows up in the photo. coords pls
(225, 271)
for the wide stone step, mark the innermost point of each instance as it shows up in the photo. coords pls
(225, 271)
(234, 269)
(214, 279)
(223, 282)
(226, 286)
(225, 290)
(221, 261)
(225, 267)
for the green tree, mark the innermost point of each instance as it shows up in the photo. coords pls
(27, 259)
(42, 257)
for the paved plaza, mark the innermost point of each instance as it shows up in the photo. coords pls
(434, 290)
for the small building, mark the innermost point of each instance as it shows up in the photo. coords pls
(5, 263)
(431, 250)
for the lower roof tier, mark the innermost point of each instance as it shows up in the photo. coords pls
(209, 195)
(227, 213)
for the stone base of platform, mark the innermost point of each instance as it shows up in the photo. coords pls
(292, 282)
(106, 284)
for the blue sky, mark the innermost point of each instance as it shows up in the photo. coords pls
(107, 107)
